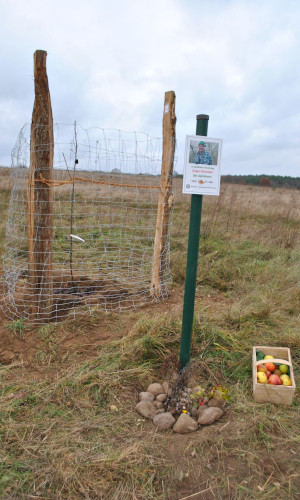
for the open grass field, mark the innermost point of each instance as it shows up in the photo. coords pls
(68, 425)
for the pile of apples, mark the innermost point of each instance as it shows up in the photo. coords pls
(270, 373)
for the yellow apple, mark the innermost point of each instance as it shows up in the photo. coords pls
(286, 380)
(262, 378)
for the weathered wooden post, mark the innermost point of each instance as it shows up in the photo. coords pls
(166, 196)
(40, 194)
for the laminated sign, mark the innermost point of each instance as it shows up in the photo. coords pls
(202, 161)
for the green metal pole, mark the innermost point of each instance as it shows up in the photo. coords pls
(192, 263)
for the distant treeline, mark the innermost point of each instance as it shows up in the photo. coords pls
(263, 180)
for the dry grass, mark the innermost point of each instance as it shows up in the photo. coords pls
(75, 434)
(5, 179)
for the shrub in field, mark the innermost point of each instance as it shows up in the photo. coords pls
(265, 182)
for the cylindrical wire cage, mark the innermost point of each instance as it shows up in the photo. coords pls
(106, 186)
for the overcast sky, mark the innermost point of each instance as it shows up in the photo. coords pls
(110, 62)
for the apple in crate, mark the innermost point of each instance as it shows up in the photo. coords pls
(286, 380)
(262, 378)
(270, 367)
(284, 369)
(261, 368)
(275, 380)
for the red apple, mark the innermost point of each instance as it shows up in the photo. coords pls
(270, 366)
(275, 380)
(262, 368)
(268, 374)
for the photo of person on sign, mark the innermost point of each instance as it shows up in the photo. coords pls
(202, 156)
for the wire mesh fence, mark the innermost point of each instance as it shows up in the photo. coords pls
(103, 204)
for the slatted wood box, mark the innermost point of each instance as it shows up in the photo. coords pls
(268, 393)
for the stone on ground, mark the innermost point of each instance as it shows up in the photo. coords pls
(194, 412)
(165, 385)
(172, 410)
(146, 409)
(217, 403)
(156, 389)
(164, 421)
(210, 415)
(201, 410)
(161, 397)
(185, 424)
(146, 396)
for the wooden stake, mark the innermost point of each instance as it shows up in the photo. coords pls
(166, 196)
(40, 195)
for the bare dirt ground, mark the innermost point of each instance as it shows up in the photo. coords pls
(82, 342)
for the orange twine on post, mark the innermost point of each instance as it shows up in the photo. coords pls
(71, 180)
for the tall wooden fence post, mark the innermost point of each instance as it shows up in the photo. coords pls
(40, 194)
(166, 196)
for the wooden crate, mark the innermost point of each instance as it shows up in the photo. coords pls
(268, 393)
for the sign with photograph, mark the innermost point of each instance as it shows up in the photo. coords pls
(201, 174)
